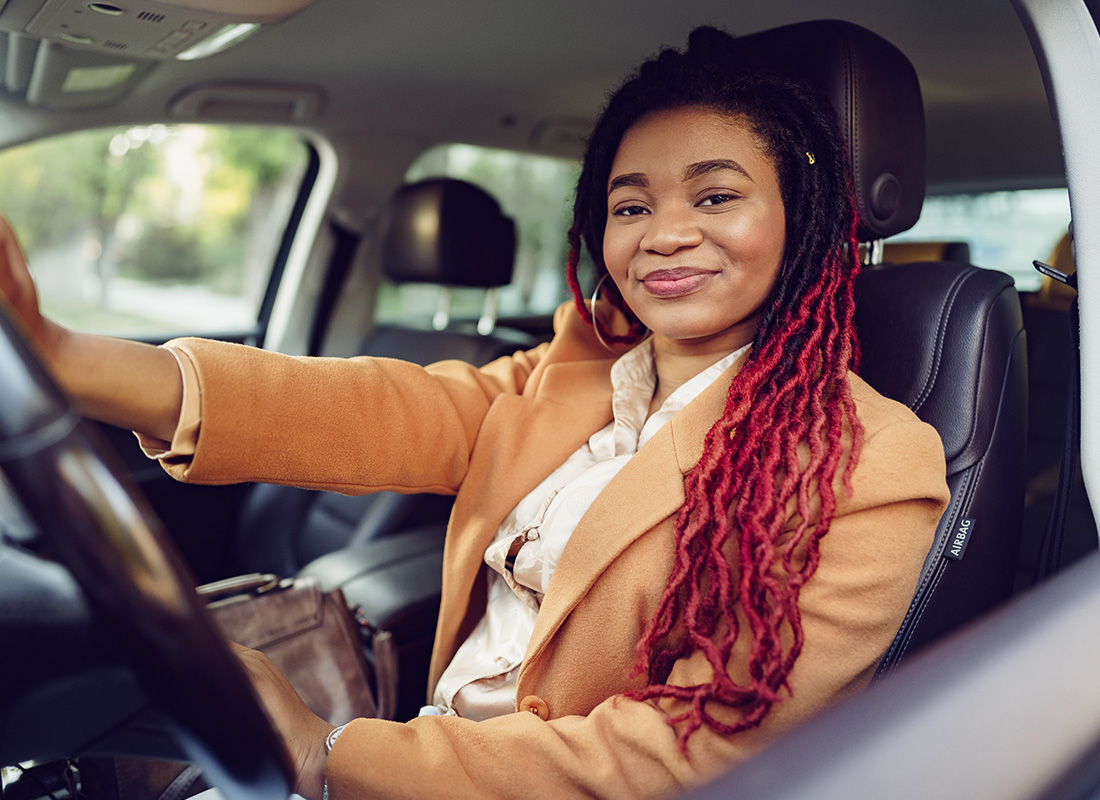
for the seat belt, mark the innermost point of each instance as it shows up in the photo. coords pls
(1053, 542)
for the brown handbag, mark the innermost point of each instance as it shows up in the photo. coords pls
(314, 639)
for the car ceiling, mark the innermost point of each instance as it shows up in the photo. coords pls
(532, 76)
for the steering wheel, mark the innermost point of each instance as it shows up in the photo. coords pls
(134, 580)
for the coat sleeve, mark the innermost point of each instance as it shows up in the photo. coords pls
(350, 425)
(851, 609)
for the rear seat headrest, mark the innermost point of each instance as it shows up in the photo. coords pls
(915, 252)
(449, 232)
(874, 90)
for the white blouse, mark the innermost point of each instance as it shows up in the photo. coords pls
(480, 681)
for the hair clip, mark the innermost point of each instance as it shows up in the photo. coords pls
(810, 157)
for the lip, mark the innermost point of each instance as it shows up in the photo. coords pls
(675, 282)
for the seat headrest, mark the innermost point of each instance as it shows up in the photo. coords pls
(874, 90)
(450, 232)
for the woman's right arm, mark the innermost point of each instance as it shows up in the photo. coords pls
(120, 382)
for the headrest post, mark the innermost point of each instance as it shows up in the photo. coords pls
(442, 317)
(873, 255)
(488, 319)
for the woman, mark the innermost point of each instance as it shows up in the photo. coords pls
(656, 562)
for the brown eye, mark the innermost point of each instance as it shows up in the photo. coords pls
(717, 199)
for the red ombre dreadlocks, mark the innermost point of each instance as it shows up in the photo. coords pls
(762, 495)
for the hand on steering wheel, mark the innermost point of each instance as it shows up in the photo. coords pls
(118, 553)
(17, 289)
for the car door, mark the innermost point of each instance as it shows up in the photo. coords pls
(156, 231)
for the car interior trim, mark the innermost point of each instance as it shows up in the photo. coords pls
(1074, 99)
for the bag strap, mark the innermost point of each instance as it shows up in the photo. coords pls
(182, 785)
(384, 656)
(251, 583)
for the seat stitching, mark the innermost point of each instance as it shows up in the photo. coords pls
(985, 326)
(973, 476)
(929, 580)
(851, 101)
(941, 334)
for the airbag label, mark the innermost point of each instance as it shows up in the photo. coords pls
(960, 538)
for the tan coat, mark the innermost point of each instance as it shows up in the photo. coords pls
(492, 435)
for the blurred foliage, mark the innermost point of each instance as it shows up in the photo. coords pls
(45, 187)
(195, 192)
(166, 254)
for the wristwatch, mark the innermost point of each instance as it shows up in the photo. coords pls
(333, 735)
(330, 740)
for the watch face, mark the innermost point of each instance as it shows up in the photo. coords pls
(330, 740)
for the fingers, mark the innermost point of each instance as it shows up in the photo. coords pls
(265, 676)
(302, 731)
(12, 254)
(16, 285)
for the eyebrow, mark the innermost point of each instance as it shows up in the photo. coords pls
(692, 171)
(714, 165)
(629, 179)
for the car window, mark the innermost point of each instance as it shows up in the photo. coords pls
(1006, 231)
(535, 191)
(155, 230)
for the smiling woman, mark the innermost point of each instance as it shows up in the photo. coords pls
(695, 229)
(666, 548)
(701, 166)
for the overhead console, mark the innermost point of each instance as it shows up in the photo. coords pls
(64, 54)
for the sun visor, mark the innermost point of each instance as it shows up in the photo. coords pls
(68, 54)
(62, 79)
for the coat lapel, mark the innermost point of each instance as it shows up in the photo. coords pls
(648, 490)
(530, 438)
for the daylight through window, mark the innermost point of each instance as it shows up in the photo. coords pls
(157, 230)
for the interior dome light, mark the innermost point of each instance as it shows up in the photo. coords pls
(222, 40)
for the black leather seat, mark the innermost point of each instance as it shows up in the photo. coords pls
(946, 339)
(956, 355)
(442, 231)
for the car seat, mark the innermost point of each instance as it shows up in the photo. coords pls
(944, 338)
(443, 231)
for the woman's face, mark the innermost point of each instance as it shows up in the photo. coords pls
(695, 228)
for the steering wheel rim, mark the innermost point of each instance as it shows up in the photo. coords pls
(103, 531)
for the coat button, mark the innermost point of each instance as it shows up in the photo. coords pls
(536, 705)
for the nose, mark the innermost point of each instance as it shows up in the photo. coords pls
(670, 229)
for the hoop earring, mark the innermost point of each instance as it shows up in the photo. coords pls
(622, 339)
(595, 318)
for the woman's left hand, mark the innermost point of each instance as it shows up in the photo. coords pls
(302, 731)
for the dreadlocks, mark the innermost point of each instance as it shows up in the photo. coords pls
(789, 427)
